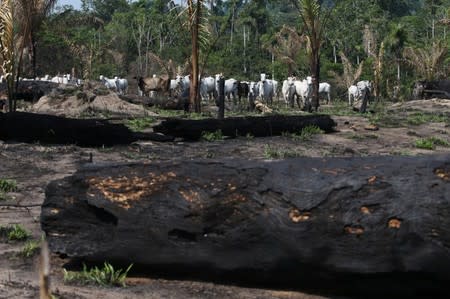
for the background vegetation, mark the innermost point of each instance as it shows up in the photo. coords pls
(396, 42)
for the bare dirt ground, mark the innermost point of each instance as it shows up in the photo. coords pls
(33, 166)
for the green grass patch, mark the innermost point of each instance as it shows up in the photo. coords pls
(8, 185)
(14, 232)
(30, 248)
(424, 118)
(276, 153)
(140, 124)
(105, 276)
(430, 143)
(305, 134)
(212, 136)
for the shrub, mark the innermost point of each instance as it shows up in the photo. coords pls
(105, 276)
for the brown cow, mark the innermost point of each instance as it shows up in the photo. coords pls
(157, 84)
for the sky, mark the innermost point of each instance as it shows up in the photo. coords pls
(75, 3)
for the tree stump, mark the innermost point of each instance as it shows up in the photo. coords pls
(364, 226)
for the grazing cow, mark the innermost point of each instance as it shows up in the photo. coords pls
(208, 88)
(325, 88)
(157, 84)
(121, 85)
(353, 94)
(428, 89)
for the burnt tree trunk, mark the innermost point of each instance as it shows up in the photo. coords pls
(372, 225)
(50, 129)
(257, 126)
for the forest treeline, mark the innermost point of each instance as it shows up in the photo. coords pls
(395, 42)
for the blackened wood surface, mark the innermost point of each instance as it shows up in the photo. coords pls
(30, 127)
(241, 126)
(369, 225)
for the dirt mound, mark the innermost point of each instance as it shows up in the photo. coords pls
(431, 106)
(91, 99)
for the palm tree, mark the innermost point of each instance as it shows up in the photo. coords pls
(427, 62)
(396, 42)
(30, 14)
(288, 44)
(314, 24)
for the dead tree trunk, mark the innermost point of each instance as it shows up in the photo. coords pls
(372, 225)
(258, 126)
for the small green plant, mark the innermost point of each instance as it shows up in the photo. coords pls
(212, 136)
(140, 124)
(30, 248)
(14, 233)
(105, 276)
(430, 143)
(8, 185)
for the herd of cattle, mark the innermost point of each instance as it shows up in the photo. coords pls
(293, 90)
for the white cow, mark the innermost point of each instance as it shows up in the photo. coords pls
(253, 91)
(208, 88)
(230, 87)
(303, 91)
(362, 85)
(353, 94)
(325, 88)
(288, 90)
(121, 85)
(109, 83)
(267, 89)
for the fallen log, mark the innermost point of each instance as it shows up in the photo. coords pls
(364, 226)
(163, 102)
(50, 129)
(258, 126)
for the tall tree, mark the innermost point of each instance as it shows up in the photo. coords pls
(199, 32)
(7, 49)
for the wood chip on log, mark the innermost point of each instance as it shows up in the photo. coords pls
(367, 225)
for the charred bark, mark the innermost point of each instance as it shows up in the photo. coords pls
(258, 126)
(50, 129)
(364, 226)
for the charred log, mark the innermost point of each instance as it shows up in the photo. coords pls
(241, 126)
(50, 129)
(363, 226)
